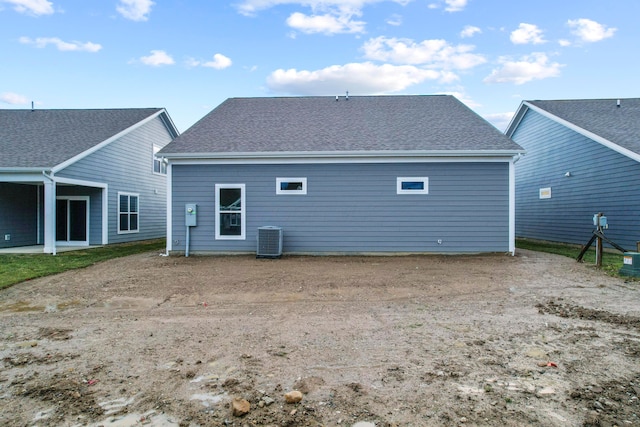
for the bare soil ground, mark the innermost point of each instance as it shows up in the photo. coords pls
(490, 340)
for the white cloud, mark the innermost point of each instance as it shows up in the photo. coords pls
(395, 20)
(531, 67)
(219, 62)
(590, 31)
(363, 77)
(449, 5)
(157, 59)
(327, 16)
(135, 10)
(470, 31)
(13, 98)
(564, 42)
(436, 53)
(325, 24)
(499, 120)
(33, 7)
(455, 5)
(251, 7)
(62, 45)
(527, 34)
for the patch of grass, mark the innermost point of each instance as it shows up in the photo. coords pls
(15, 268)
(611, 261)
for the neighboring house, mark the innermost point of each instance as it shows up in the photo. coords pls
(583, 157)
(347, 175)
(82, 177)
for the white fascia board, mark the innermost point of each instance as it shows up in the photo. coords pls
(106, 142)
(345, 157)
(609, 144)
(84, 183)
(168, 122)
(32, 176)
(515, 120)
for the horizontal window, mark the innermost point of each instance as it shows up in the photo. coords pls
(412, 185)
(291, 185)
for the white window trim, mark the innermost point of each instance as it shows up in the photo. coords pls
(302, 191)
(137, 195)
(402, 179)
(160, 159)
(242, 212)
(87, 199)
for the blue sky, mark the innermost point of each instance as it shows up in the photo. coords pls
(190, 55)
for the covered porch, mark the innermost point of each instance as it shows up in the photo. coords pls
(43, 213)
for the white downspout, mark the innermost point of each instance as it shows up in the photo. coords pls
(512, 204)
(49, 214)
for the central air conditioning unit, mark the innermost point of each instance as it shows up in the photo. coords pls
(269, 242)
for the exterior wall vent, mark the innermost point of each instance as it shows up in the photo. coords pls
(269, 242)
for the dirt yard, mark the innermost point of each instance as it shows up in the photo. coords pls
(490, 340)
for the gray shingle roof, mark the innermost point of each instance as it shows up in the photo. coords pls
(46, 138)
(620, 125)
(321, 124)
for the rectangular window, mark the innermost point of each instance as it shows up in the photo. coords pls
(291, 185)
(159, 166)
(128, 212)
(412, 185)
(230, 211)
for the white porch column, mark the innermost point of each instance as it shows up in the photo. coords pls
(49, 216)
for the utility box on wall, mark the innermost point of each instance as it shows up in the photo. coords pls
(631, 264)
(190, 214)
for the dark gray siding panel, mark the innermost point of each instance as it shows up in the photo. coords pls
(354, 207)
(601, 180)
(126, 165)
(18, 214)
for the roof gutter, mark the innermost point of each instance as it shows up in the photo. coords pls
(339, 154)
(37, 170)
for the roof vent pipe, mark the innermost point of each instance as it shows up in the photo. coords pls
(347, 97)
(32, 106)
(618, 103)
(336, 97)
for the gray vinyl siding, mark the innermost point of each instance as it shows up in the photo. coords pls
(18, 204)
(353, 208)
(126, 165)
(601, 180)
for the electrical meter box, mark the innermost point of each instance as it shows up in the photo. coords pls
(603, 221)
(190, 214)
(630, 264)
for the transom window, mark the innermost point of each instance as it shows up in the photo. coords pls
(230, 211)
(291, 185)
(128, 213)
(159, 166)
(412, 185)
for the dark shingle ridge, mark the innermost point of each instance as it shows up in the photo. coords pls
(44, 138)
(602, 117)
(322, 124)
